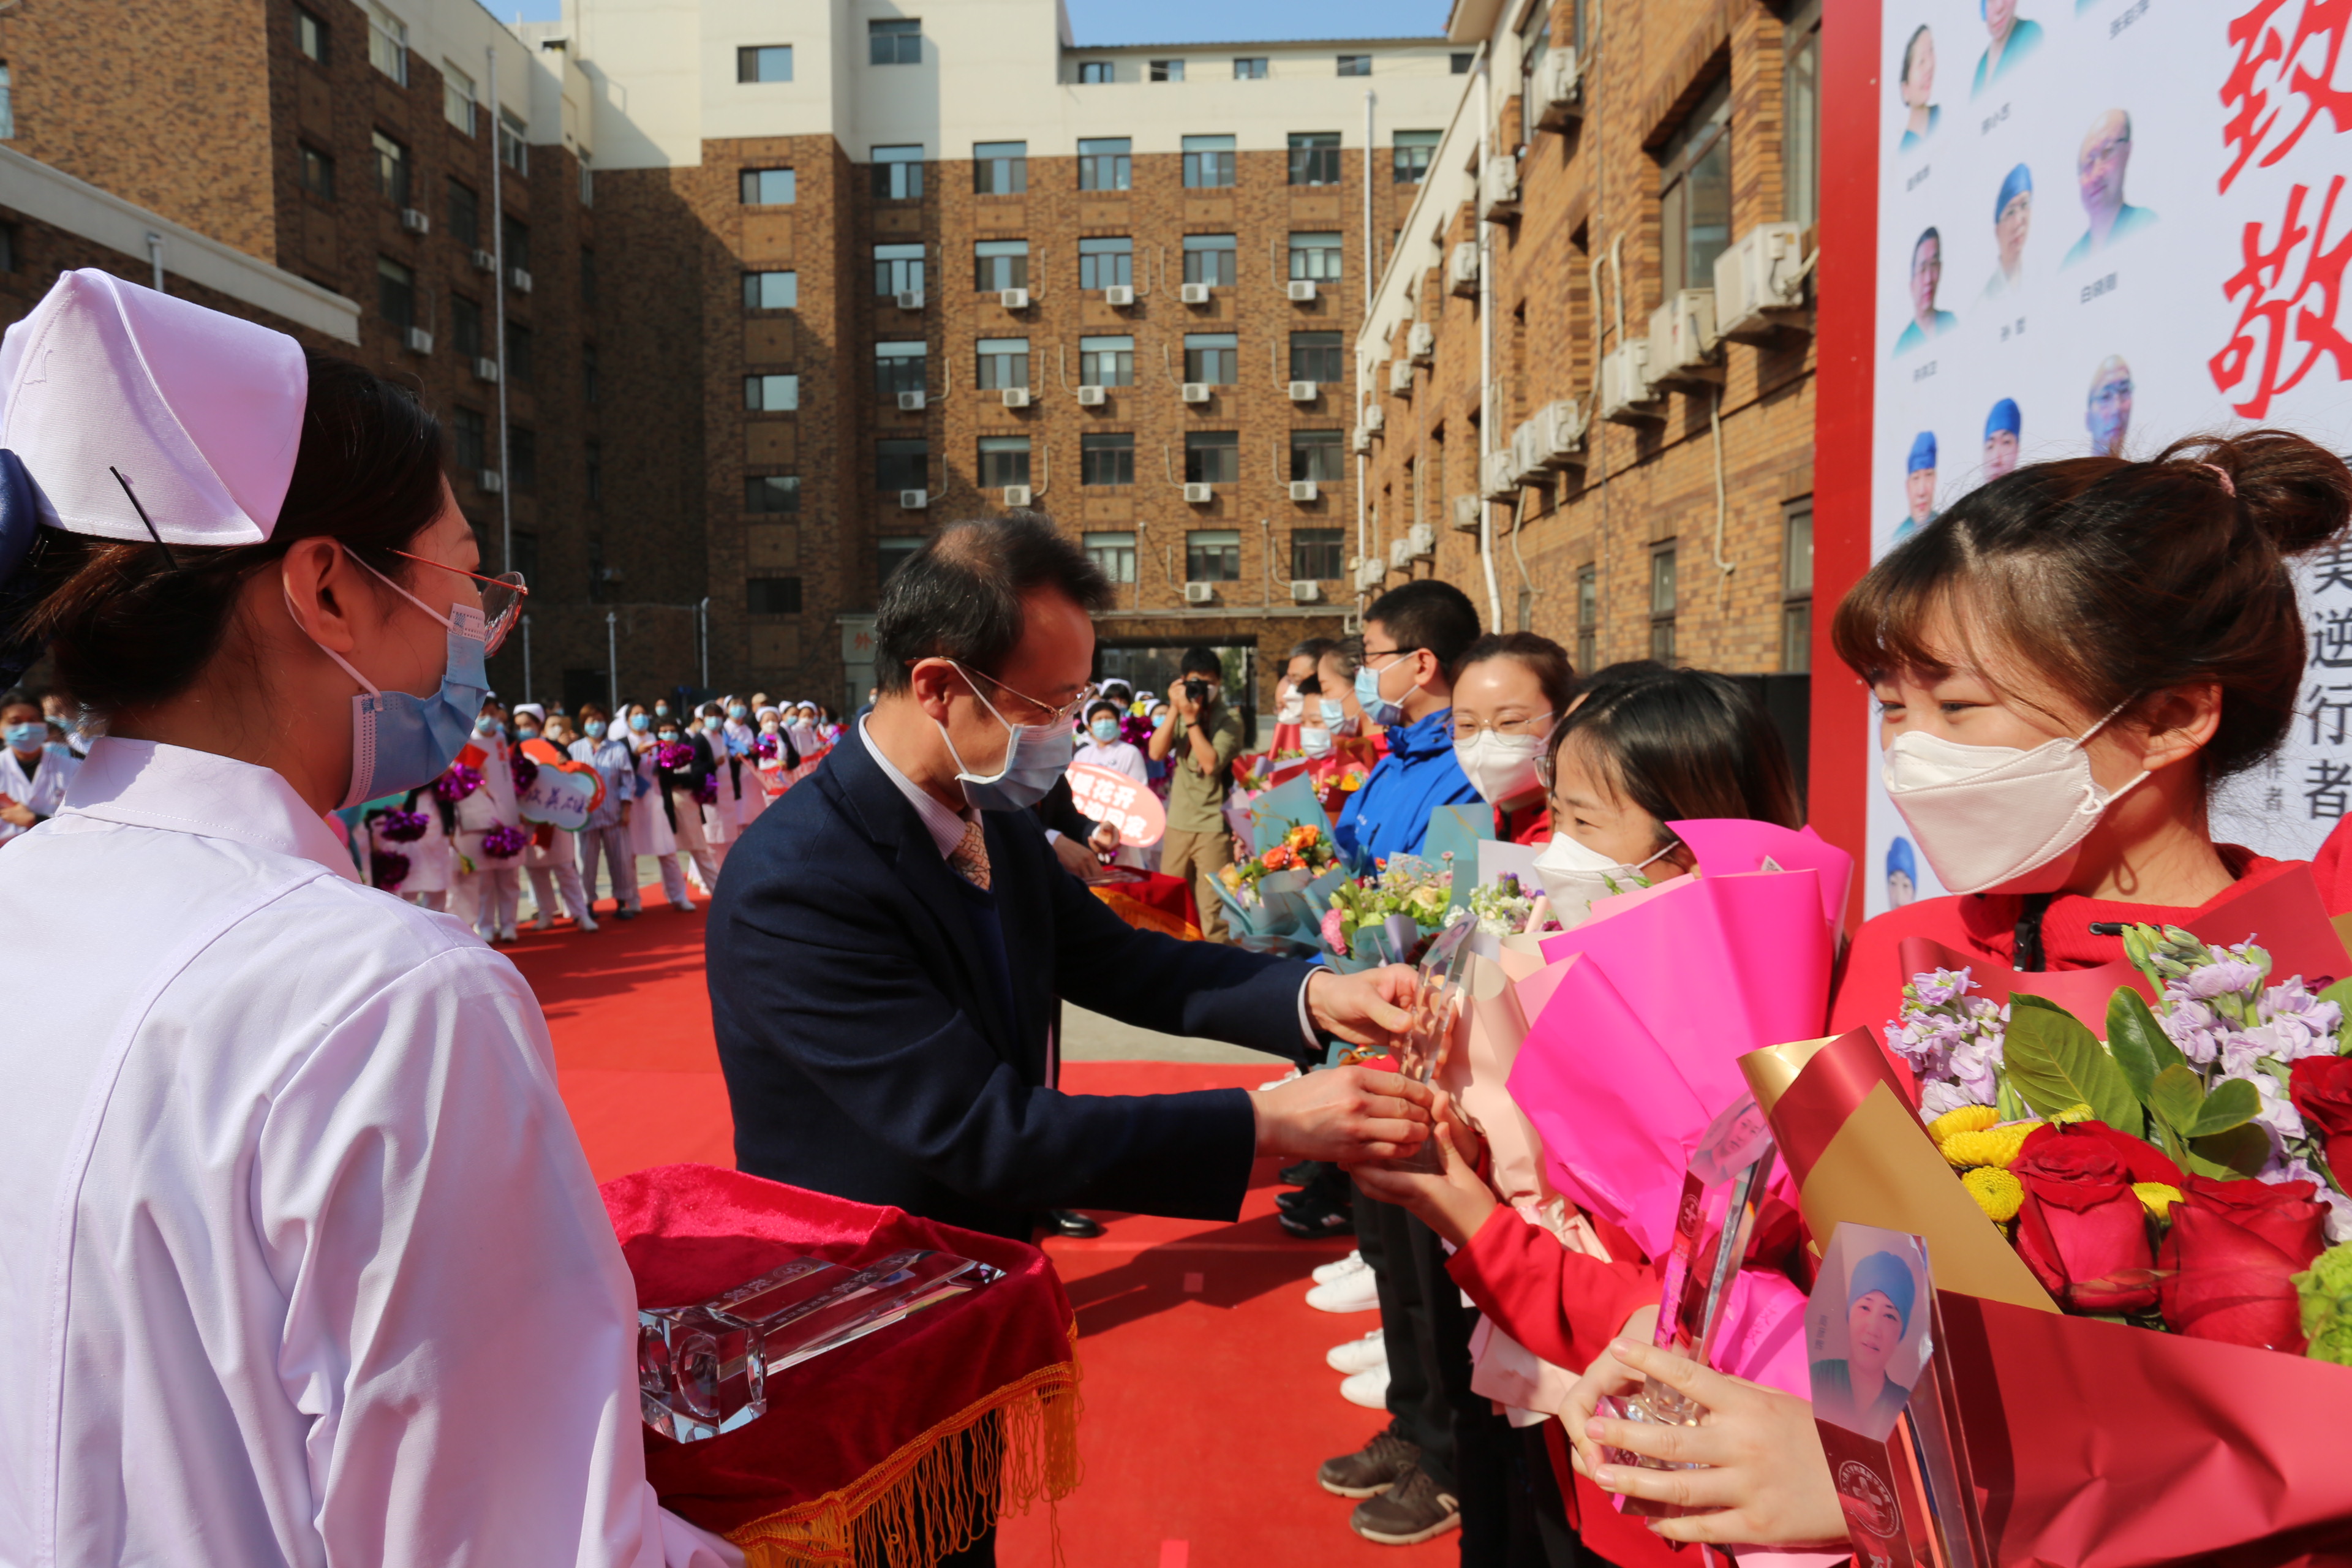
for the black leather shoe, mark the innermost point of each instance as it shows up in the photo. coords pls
(1069, 1222)
(1297, 1175)
(1317, 1218)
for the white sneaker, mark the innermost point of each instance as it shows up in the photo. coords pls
(1326, 1272)
(1278, 1082)
(1358, 1355)
(544, 922)
(1368, 1388)
(587, 922)
(1350, 1293)
(507, 934)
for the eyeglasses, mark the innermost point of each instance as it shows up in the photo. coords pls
(502, 598)
(1467, 728)
(1369, 655)
(1067, 713)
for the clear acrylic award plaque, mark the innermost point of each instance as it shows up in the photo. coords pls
(1437, 1001)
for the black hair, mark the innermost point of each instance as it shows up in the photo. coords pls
(1313, 647)
(1930, 232)
(1904, 75)
(1200, 661)
(1101, 705)
(1309, 685)
(959, 598)
(1429, 614)
(19, 697)
(1543, 657)
(1681, 745)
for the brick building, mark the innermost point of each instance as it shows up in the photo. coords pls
(1587, 381)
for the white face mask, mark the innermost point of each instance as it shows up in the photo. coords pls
(1573, 875)
(1293, 709)
(1315, 740)
(1990, 817)
(1500, 767)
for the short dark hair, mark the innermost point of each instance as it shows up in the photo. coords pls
(17, 697)
(1681, 745)
(1101, 705)
(1200, 661)
(1429, 614)
(1313, 647)
(959, 598)
(1545, 658)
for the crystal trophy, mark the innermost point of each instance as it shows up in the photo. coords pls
(703, 1370)
(1437, 1001)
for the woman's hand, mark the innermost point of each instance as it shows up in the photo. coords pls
(1605, 1378)
(1767, 1481)
(1454, 1204)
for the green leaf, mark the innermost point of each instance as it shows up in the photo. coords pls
(2176, 1147)
(2010, 1103)
(2233, 1103)
(2027, 999)
(2178, 1097)
(2140, 1046)
(2055, 1063)
(2243, 1151)
(2341, 995)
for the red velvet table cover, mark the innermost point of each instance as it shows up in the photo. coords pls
(1160, 903)
(864, 1438)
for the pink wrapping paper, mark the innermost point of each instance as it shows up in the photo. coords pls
(1726, 846)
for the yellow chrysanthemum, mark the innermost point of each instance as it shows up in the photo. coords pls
(2157, 1197)
(2074, 1113)
(1966, 1119)
(1997, 1191)
(1995, 1146)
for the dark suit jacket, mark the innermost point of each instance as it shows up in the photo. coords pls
(864, 1047)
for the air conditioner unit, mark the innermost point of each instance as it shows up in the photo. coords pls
(1014, 298)
(1200, 495)
(1560, 427)
(1193, 293)
(1420, 540)
(1421, 340)
(1200, 593)
(420, 341)
(1558, 99)
(910, 298)
(1465, 513)
(415, 222)
(1016, 397)
(1120, 294)
(1528, 465)
(1360, 440)
(518, 280)
(1373, 418)
(1303, 489)
(1626, 395)
(1401, 377)
(1682, 340)
(1302, 392)
(485, 261)
(1462, 274)
(486, 369)
(1499, 189)
(1195, 392)
(1759, 283)
(1301, 290)
(1370, 574)
(1496, 480)
(489, 482)
(1090, 397)
(1305, 591)
(1016, 495)
(914, 501)
(910, 401)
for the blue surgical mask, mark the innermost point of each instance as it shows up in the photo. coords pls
(1333, 711)
(738, 712)
(526, 733)
(486, 725)
(668, 734)
(661, 710)
(1105, 729)
(640, 724)
(400, 741)
(595, 729)
(27, 738)
(1315, 740)
(1035, 756)
(1378, 709)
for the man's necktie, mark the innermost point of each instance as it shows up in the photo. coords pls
(969, 856)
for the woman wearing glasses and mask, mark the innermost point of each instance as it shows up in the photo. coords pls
(260, 1302)
(1508, 690)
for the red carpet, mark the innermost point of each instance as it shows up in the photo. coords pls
(1207, 1403)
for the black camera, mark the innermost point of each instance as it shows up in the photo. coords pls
(1196, 691)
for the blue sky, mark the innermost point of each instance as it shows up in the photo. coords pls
(1196, 21)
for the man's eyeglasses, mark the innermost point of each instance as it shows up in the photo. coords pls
(502, 598)
(1067, 713)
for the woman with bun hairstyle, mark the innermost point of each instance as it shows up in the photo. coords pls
(306, 1265)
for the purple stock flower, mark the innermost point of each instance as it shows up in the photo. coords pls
(2224, 976)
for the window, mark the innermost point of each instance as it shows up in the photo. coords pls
(587, 277)
(587, 182)
(1112, 553)
(771, 291)
(1212, 357)
(391, 170)
(318, 173)
(1094, 73)
(1317, 454)
(1212, 456)
(523, 459)
(1004, 362)
(764, 62)
(1168, 70)
(519, 353)
(309, 35)
(1355, 65)
(897, 269)
(1106, 458)
(517, 238)
(1315, 158)
(902, 465)
(1410, 154)
(1535, 42)
(1103, 164)
(1695, 194)
(592, 469)
(469, 439)
(768, 187)
(1106, 362)
(897, 42)
(7, 103)
(1106, 262)
(465, 215)
(772, 596)
(1461, 62)
(1316, 256)
(1797, 585)
(771, 393)
(388, 43)
(396, 294)
(1801, 99)
(1662, 605)
(1587, 619)
(456, 97)
(465, 327)
(1212, 555)
(1000, 168)
(1316, 356)
(899, 173)
(773, 495)
(525, 556)
(1211, 258)
(8, 247)
(891, 551)
(1003, 460)
(1208, 163)
(514, 142)
(1000, 264)
(1249, 67)
(897, 367)
(1317, 552)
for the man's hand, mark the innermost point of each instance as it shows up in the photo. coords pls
(1454, 1204)
(1179, 702)
(1343, 1114)
(17, 813)
(1104, 839)
(1366, 1008)
(1076, 858)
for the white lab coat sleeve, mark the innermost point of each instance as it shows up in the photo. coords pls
(460, 1326)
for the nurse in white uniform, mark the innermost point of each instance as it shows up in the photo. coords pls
(304, 1263)
(34, 771)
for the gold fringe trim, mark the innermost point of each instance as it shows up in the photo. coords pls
(1148, 917)
(942, 1489)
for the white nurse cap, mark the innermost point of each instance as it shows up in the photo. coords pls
(202, 412)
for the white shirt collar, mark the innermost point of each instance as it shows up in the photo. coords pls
(945, 826)
(146, 783)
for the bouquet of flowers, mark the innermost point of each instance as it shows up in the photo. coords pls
(1502, 907)
(458, 782)
(388, 869)
(526, 772)
(402, 826)
(1271, 900)
(765, 747)
(707, 792)
(669, 755)
(504, 843)
(1305, 848)
(1389, 916)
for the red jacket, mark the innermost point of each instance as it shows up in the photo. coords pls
(1528, 825)
(2329, 867)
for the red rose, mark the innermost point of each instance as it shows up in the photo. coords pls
(2142, 1161)
(2321, 1088)
(2284, 1214)
(2227, 1283)
(2081, 1229)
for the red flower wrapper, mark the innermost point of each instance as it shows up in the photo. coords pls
(916, 1435)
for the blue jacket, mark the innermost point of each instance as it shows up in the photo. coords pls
(1390, 815)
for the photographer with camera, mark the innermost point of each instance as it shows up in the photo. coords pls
(1203, 736)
